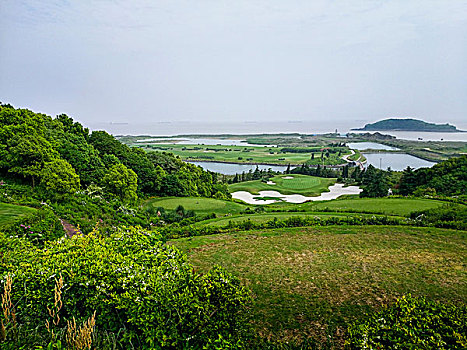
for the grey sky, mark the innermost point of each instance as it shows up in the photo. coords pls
(213, 60)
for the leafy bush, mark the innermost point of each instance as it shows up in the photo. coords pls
(448, 216)
(412, 323)
(141, 289)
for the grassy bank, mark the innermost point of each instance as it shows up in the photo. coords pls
(198, 204)
(9, 213)
(265, 217)
(389, 206)
(308, 282)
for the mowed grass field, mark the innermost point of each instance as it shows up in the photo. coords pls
(10, 212)
(287, 184)
(198, 204)
(389, 206)
(244, 154)
(383, 206)
(310, 282)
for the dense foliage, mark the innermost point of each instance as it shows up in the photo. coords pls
(140, 289)
(304, 169)
(448, 178)
(412, 323)
(85, 177)
(449, 215)
(61, 155)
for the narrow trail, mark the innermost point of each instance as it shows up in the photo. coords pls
(70, 230)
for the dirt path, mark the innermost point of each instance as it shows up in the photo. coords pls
(70, 230)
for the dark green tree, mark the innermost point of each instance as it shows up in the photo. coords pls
(59, 178)
(122, 182)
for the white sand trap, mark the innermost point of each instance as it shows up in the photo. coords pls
(288, 177)
(335, 191)
(270, 183)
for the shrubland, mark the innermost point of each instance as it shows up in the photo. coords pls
(141, 291)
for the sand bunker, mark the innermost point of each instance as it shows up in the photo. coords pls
(287, 177)
(335, 191)
(270, 183)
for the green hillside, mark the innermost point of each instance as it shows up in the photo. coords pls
(309, 282)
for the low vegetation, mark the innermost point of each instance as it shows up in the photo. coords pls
(138, 292)
(10, 213)
(309, 283)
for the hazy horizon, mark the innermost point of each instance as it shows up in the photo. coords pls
(248, 61)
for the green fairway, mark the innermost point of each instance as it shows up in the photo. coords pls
(264, 217)
(310, 282)
(198, 204)
(247, 154)
(389, 206)
(10, 212)
(287, 184)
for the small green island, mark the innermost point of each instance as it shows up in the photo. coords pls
(408, 124)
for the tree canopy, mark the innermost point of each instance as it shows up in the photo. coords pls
(29, 141)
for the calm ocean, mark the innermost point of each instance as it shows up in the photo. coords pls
(305, 127)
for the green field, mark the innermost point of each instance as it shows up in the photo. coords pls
(264, 217)
(383, 206)
(244, 154)
(198, 204)
(389, 206)
(300, 184)
(310, 282)
(10, 212)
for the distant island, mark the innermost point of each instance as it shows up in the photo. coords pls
(408, 125)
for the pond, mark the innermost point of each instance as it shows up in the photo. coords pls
(232, 169)
(370, 145)
(396, 161)
(199, 141)
(335, 191)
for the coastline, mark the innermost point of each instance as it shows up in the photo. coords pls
(410, 130)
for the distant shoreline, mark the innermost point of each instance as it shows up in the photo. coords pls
(411, 130)
(408, 124)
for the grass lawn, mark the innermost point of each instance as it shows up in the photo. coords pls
(300, 184)
(390, 206)
(264, 217)
(10, 212)
(244, 154)
(198, 204)
(309, 282)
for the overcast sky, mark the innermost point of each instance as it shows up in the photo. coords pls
(242, 60)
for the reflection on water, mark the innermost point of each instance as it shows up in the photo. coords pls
(199, 141)
(370, 145)
(396, 161)
(232, 169)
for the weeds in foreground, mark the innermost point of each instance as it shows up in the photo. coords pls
(80, 338)
(54, 312)
(8, 324)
